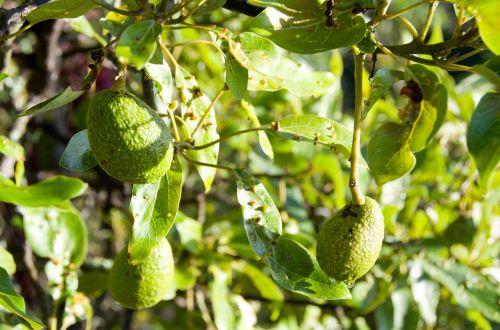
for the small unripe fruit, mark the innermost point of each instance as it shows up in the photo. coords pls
(128, 139)
(145, 284)
(349, 244)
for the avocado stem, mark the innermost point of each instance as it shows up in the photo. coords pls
(357, 195)
(121, 78)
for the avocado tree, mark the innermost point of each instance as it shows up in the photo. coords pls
(241, 164)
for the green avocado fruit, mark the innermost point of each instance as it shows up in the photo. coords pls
(349, 244)
(128, 139)
(142, 285)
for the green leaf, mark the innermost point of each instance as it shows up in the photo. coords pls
(209, 6)
(60, 9)
(266, 287)
(389, 155)
(66, 97)
(368, 44)
(190, 232)
(236, 77)
(317, 130)
(54, 230)
(11, 149)
(471, 290)
(7, 261)
(300, 26)
(77, 156)
(294, 268)
(13, 302)
(154, 207)
(350, 4)
(220, 298)
(162, 77)
(270, 71)
(3, 75)
(381, 83)
(137, 44)
(483, 137)
(264, 142)
(261, 218)
(194, 104)
(48, 192)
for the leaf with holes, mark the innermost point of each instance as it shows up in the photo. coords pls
(261, 218)
(294, 268)
(154, 207)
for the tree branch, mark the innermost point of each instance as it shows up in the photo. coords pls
(243, 7)
(12, 19)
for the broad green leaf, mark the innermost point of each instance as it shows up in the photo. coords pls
(368, 44)
(483, 137)
(381, 83)
(66, 97)
(77, 156)
(14, 303)
(220, 297)
(317, 130)
(185, 277)
(162, 77)
(405, 315)
(294, 268)
(389, 155)
(471, 290)
(47, 192)
(114, 27)
(190, 232)
(11, 149)
(194, 104)
(154, 207)
(261, 218)
(137, 43)
(264, 142)
(7, 261)
(50, 230)
(3, 75)
(270, 71)
(300, 26)
(266, 287)
(236, 77)
(60, 9)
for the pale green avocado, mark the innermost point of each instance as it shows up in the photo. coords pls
(349, 243)
(129, 140)
(145, 284)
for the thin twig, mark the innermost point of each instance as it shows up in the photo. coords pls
(428, 21)
(227, 168)
(208, 145)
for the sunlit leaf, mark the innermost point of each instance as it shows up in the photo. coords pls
(300, 26)
(137, 43)
(154, 207)
(221, 303)
(11, 149)
(48, 192)
(50, 230)
(264, 142)
(194, 104)
(66, 97)
(261, 218)
(60, 9)
(266, 287)
(317, 130)
(13, 302)
(7, 261)
(236, 77)
(294, 268)
(77, 156)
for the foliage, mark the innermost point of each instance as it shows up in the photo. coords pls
(257, 97)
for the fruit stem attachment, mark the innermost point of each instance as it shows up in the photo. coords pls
(357, 195)
(121, 78)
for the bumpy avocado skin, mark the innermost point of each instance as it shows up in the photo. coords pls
(129, 140)
(348, 245)
(145, 284)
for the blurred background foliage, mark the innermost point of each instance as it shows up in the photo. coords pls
(439, 267)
